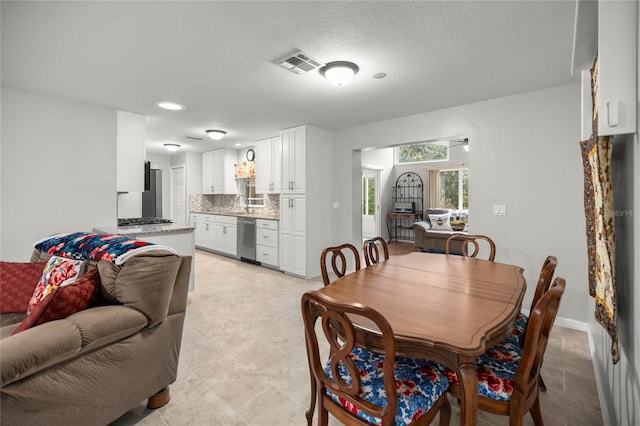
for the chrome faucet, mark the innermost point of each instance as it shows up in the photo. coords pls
(246, 202)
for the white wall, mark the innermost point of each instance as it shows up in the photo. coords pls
(58, 170)
(524, 153)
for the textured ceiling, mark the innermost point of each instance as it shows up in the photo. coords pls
(218, 57)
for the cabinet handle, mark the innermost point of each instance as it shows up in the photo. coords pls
(224, 229)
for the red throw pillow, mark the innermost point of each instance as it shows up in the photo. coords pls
(17, 283)
(63, 301)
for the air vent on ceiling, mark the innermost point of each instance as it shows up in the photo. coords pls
(299, 62)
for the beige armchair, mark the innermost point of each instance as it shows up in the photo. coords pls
(97, 364)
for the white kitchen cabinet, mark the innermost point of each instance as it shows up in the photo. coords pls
(225, 234)
(617, 56)
(293, 234)
(130, 135)
(294, 159)
(267, 242)
(269, 166)
(218, 171)
(204, 230)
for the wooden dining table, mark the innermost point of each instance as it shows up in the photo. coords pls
(446, 308)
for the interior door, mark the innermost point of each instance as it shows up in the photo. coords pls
(370, 203)
(178, 195)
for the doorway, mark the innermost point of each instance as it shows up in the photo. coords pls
(178, 195)
(370, 203)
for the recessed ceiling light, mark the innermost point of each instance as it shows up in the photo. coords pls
(379, 75)
(237, 144)
(216, 135)
(171, 146)
(170, 105)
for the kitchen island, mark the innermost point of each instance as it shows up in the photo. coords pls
(178, 237)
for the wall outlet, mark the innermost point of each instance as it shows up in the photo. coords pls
(499, 210)
(336, 205)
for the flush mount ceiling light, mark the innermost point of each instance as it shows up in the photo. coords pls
(216, 135)
(171, 146)
(339, 73)
(170, 105)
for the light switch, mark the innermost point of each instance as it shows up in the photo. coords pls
(336, 205)
(499, 210)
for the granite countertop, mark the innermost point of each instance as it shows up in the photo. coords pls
(135, 231)
(259, 215)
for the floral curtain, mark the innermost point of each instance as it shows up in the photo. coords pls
(598, 209)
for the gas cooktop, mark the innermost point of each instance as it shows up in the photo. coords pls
(137, 221)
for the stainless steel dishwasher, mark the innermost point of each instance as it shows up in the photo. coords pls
(247, 239)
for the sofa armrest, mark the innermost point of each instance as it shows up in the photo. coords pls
(54, 342)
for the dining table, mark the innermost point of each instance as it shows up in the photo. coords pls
(445, 308)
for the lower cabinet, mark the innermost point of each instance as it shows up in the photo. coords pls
(293, 247)
(216, 232)
(267, 242)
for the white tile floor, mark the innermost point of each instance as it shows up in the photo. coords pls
(243, 360)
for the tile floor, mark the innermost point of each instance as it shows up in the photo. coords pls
(243, 360)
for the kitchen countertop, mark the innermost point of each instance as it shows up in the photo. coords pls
(135, 231)
(239, 214)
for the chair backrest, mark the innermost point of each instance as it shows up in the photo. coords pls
(338, 260)
(471, 241)
(544, 280)
(340, 333)
(539, 327)
(371, 249)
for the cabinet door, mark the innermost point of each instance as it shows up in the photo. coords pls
(218, 171)
(130, 139)
(199, 233)
(286, 138)
(207, 172)
(231, 240)
(219, 236)
(292, 234)
(264, 163)
(617, 53)
(298, 160)
(276, 165)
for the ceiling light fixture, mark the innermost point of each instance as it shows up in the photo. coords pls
(171, 146)
(216, 135)
(170, 105)
(339, 73)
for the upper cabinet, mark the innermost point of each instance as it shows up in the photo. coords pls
(608, 29)
(269, 166)
(294, 159)
(130, 152)
(218, 171)
(617, 53)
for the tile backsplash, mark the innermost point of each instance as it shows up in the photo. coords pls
(222, 203)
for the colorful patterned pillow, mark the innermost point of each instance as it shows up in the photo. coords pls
(17, 282)
(92, 246)
(63, 301)
(440, 222)
(57, 272)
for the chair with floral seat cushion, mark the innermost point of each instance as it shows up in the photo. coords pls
(336, 255)
(372, 249)
(360, 387)
(471, 241)
(508, 375)
(544, 281)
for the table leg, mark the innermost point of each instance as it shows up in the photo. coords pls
(469, 387)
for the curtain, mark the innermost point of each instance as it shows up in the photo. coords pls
(599, 214)
(433, 196)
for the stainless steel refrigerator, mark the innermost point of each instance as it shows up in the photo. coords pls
(152, 198)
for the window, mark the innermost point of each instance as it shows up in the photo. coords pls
(368, 195)
(422, 153)
(454, 189)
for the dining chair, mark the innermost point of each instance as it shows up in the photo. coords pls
(371, 249)
(471, 240)
(361, 387)
(544, 281)
(508, 375)
(336, 256)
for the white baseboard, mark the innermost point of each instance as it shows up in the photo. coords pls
(567, 323)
